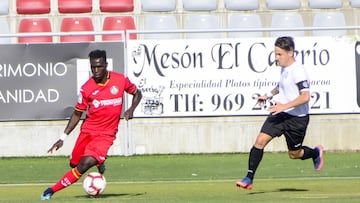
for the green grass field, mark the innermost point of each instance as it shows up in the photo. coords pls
(190, 178)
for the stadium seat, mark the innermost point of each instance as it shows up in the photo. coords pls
(4, 29)
(74, 6)
(158, 5)
(320, 4)
(286, 20)
(329, 19)
(4, 7)
(34, 25)
(283, 5)
(33, 6)
(77, 24)
(199, 5)
(237, 5)
(205, 21)
(238, 21)
(113, 23)
(161, 22)
(354, 3)
(116, 5)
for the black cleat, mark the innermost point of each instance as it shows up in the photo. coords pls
(101, 168)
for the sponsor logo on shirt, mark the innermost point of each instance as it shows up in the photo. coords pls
(107, 102)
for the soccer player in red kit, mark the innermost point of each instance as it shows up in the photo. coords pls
(102, 97)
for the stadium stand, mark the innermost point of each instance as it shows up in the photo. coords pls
(4, 7)
(329, 19)
(116, 5)
(283, 5)
(77, 24)
(202, 21)
(286, 20)
(34, 25)
(199, 5)
(243, 5)
(227, 12)
(74, 6)
(161, 22)
(4, 29)
(325, 4)
(113, 23)
(33, 6)
(158, 5)
(354, 3)
(238, 20)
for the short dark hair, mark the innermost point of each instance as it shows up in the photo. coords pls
(98, 54)
(286, 43)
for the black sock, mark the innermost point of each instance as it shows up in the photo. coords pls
(254, 161)
(309, 153)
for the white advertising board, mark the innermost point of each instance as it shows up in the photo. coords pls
(219, 77)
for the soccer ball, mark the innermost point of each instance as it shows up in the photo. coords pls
(94, 183)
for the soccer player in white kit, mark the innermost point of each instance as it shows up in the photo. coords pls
(288, 116)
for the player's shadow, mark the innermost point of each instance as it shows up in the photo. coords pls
(107, 195)
(280, 190)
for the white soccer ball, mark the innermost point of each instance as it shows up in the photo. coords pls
(94, 183)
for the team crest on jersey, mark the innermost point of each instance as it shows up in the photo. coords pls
(114, 90)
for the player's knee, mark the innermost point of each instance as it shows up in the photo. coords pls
(86, 163)
(72, 165)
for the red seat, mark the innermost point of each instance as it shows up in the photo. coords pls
(77, 24)
(32, 6)
(74, 6)
(116, 5)
(35, 25)
(112, 23)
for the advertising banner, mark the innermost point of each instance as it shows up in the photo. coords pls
(41, 81)
(221, 77)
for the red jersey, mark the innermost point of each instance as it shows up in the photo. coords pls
(103, 103)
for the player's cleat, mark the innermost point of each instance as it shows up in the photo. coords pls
(47, 194)
(319, 161)
(246, 183)
(101, 168)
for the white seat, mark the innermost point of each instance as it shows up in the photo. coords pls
(241, 5)
(199, 5)
(158, 5)
(354, 3)
(161, 22)
(329, 19)
(286, 20)
(206, 21)
(244, 21)
(4, 29)
(4, 7)
(319, 4)
(283, 5)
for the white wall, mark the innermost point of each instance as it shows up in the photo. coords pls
(179, 135)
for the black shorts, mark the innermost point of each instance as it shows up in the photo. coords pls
(293, 127)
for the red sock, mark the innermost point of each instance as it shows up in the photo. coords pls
(69, 178)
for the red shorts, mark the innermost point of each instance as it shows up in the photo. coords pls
(95, 145)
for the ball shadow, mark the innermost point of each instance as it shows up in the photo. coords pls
(107, 195)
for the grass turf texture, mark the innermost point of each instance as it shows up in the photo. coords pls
(190, 178)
